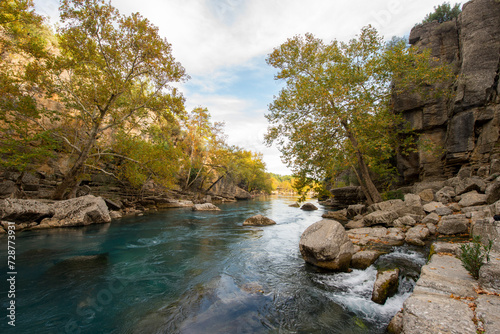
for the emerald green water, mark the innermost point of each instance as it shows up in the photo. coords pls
(179, 271)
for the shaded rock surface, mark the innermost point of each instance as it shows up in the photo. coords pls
(466, 126)
(386, 285)
(364, 259)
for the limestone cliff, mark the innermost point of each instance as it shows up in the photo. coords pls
(463, 129)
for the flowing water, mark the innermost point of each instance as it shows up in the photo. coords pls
(180, 271)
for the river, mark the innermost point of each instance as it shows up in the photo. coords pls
(180, 271)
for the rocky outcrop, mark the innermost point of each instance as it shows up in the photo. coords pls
(345, 196)
(258, 220)
(35, 214)
(446, 300)
(465, 126)
(325, 244)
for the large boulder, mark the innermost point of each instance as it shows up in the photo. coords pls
(325, 244)
(454, 224)
(386, 285)
(258, 220)
(472, 198)
(78, 211)
(22, 210)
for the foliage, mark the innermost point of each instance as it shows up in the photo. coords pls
(443, 13)
(25, 140)
(334, 112)
(110, 70)
(474, 254)
(393, 194)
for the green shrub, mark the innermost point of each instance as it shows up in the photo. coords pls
(473, 255)
(443, 13)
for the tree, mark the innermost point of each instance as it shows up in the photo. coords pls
(110, 69)
(443, 13)
(24, 40)
(334, 110)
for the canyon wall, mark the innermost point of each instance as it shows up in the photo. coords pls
(461, 130)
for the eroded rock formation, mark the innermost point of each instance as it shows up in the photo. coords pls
(462, 129)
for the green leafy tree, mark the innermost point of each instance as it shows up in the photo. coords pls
(334, 111)
(110, 69)
(443, 13)
(25, 140)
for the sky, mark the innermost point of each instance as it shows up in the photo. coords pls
(223, 45)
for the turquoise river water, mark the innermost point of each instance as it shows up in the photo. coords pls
(179, 271)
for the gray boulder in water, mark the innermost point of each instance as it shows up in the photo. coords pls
(325, 244)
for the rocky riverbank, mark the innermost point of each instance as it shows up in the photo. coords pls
(446, 298)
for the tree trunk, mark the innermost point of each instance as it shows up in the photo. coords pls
(70, 180)
(213, 184)
(365, 178)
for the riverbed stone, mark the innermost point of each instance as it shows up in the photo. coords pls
(413, 200)
(308, 207)
(445, 195)
(454, 224)
(377, 236)
(472, 198)
(386, 285)
(78, 211)
(493, 192)
(427, 195)
(432, 206)
(404, 221)
(417, 234)
(205, 207)
(431, 218)
(364, 259)
(380, 218)
(258, 220)
(325, 244)
(339, 216)
(443, 211)
(354, 210)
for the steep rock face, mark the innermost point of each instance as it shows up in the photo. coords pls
(463, 129)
